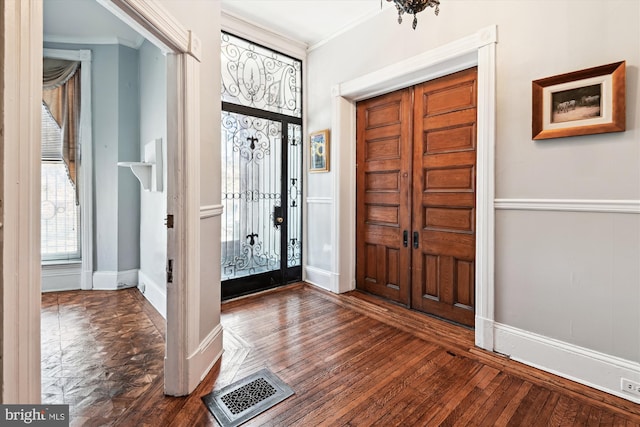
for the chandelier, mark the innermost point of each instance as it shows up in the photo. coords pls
(412, 7)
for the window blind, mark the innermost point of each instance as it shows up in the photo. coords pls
(60, 214)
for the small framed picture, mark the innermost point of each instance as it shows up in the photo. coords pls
(579, 103)
(319, 151)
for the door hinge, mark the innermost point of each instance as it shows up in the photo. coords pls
(169, 271)
(169, 221)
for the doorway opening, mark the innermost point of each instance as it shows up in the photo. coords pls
(261, 134)
(22, 68)
(416, 181)
(476, 49)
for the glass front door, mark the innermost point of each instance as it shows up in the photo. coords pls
(261, 167)
(261, 223)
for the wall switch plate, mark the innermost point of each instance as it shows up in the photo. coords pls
(630, 386)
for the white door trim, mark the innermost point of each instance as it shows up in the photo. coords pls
(86, 159)
(477, 49)
(21, 27)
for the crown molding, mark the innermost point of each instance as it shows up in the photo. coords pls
(351, 25)
(243, 27)
(133, 44)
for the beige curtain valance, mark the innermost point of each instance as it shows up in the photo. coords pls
(56, 72)
(61, 95)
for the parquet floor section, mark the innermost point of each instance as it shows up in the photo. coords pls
(352, 360)
(100, 351)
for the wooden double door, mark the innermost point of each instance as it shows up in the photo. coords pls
(416, 184)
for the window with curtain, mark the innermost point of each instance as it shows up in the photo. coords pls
(60, 214)
(60, 210)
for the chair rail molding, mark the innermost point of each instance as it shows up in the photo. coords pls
(210, 211)
(570, 205)
(319, 200)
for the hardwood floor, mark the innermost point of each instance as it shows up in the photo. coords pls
(351, 359)
(100, 351)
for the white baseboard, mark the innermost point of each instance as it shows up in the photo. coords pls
(206, 355)
(61, 277)
(322, 278)
(582, 365)
(86, 283)
(484, 333)
(114, 280)
(154, 293)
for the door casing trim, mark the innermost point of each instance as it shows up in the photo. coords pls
(478, 49)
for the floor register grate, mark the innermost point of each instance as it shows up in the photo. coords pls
(246, 398)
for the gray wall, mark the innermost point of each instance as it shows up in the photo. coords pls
(115, 131)
(153, 125)
(128, 141)
(569, 276)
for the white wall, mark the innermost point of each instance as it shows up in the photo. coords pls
(567, 276)
(203, 18)
(153, 204)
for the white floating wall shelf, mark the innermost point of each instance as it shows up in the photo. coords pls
(148, 172)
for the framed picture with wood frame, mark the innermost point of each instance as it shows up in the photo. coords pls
(583, 102)
(319, 151)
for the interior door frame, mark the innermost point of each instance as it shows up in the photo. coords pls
(183, 49)
(22, 27)
(477, 49)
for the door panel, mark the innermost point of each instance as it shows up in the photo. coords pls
(444, 197)
(416, 176)
(252, 169)
(383, 197)
(261, 193)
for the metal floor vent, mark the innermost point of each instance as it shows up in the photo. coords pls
(244, 399)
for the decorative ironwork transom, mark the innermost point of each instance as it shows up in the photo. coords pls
(261, 78)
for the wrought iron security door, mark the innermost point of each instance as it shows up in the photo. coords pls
(261, 168)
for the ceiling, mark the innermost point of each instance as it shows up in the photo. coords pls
(85, 21)
(307, 21)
